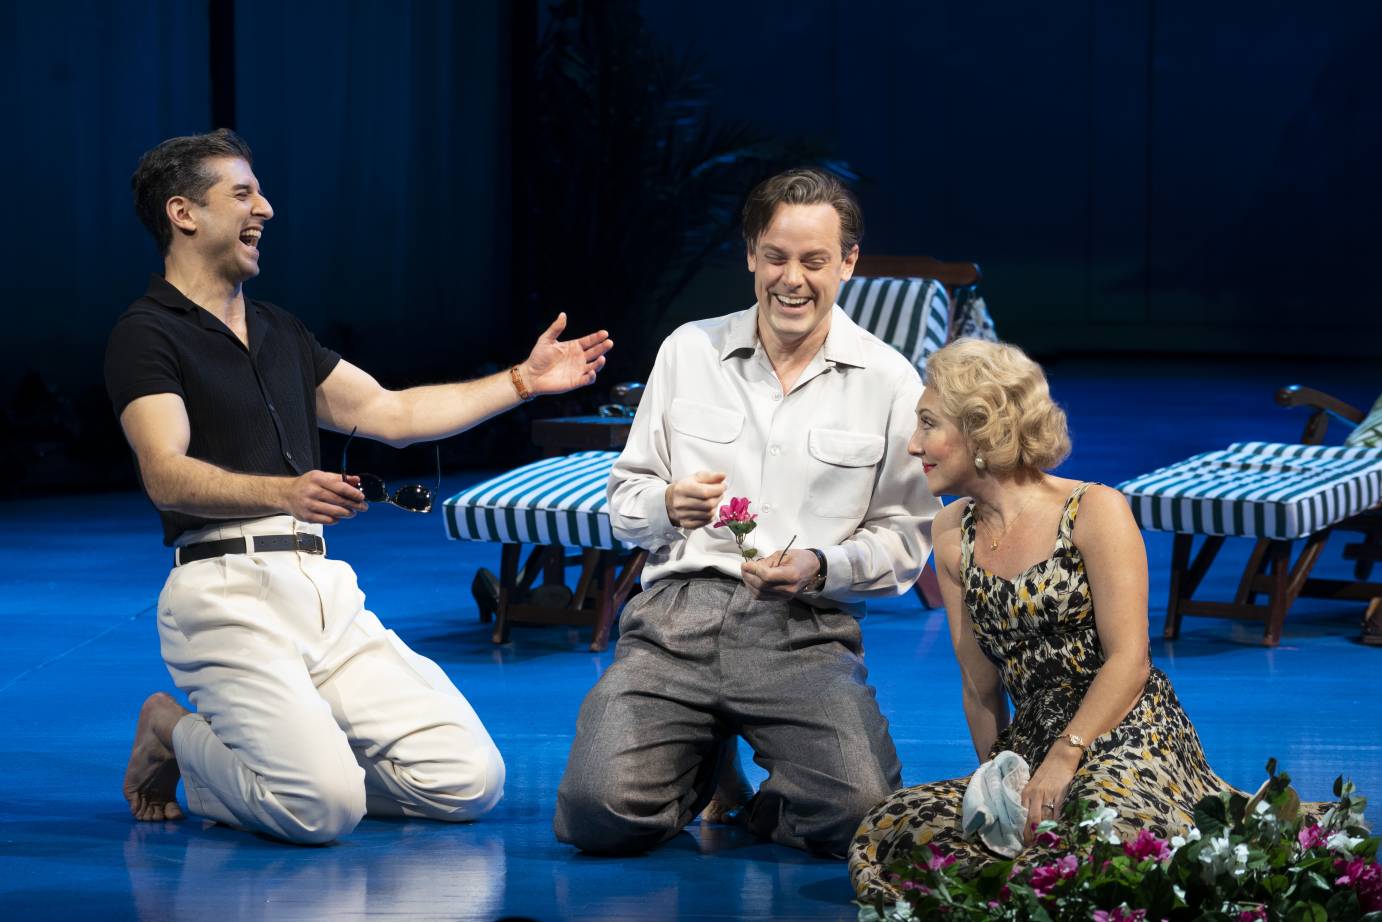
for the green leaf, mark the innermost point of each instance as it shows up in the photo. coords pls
(1306, 912)
(1211, 815)
(1343, 904)
(1237, 808)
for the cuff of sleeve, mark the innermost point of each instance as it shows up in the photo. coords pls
(839, 575)
(655, 514)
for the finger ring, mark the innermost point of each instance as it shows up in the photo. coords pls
(1050, 805)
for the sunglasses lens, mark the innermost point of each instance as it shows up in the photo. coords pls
(414, 498)
(373, 488)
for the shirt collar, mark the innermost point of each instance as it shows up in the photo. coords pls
(161, 291)
(843, 344)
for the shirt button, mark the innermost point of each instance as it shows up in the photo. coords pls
(776, 395)
(775, 450)
(271, 407)
(288, 455)
(767, 507)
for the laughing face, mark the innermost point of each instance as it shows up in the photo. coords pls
(797, 270)
(946, 455)
(230, 224)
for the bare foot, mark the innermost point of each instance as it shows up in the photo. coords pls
(732, 790)
(151, 779)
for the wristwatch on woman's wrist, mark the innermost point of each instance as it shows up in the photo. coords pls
(818, 581)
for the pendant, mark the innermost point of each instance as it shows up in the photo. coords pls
(993, 545)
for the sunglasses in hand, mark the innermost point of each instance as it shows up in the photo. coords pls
(413, 497)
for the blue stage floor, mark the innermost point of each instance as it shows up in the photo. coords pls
(80, 576)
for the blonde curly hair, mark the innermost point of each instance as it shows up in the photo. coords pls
(1002, 404)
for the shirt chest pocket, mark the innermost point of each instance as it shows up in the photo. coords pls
(702, 437)
(841, 471)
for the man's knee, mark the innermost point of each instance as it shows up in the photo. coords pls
(595, 815)
(471, 788)
(327, 807)
(463, 789)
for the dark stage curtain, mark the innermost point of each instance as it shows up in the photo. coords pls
(376, 130)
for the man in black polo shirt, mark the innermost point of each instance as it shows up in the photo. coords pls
(308, 711)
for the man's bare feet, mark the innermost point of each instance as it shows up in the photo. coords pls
(151, 779)
(732, 790)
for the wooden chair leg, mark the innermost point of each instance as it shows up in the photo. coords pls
(1257, 560)
(508, 584)
(618, 592)
(1180, 562)
(590, 566)
(604, 603)
(928, 587)
(1279, 557)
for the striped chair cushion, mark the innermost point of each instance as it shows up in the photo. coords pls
(553, 501)
(1258, 489)
(911, 315)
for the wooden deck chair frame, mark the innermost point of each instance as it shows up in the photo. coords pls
(1270, 571)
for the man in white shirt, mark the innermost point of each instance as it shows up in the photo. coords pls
(793, 406)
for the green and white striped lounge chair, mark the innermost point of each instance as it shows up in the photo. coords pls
(556, 502)
(1275, 493)
(910, 314)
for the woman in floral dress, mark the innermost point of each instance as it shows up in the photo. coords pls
(1045, 587)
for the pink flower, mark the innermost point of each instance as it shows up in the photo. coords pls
(1365, 877)
(937, 859)
(1146, 845)
(1256, 914)
(1048, 839)
(1045, 878)
(1311, 836)
(736, 511)
(1120, 915)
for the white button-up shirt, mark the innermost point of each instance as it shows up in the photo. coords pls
(827, 462)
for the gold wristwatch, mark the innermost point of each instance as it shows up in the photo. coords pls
(1074, 739)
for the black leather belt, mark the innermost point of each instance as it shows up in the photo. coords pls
(257, 544)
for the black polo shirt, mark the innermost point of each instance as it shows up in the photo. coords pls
(252, 410)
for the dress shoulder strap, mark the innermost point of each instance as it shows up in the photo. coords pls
(1072, 509)
(966, 538)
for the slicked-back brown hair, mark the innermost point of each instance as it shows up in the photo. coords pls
(804, 186)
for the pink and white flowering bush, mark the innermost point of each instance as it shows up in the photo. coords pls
(1245, 859)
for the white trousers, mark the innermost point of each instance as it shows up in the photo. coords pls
(308, 712)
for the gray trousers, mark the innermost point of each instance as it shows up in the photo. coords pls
(699, 661)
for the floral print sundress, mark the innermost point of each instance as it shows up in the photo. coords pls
(1039, 631)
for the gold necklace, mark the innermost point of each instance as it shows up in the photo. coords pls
(993, 542)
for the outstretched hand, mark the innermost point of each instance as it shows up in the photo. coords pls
(555, 367)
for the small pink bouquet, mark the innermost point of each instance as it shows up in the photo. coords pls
(737, 518)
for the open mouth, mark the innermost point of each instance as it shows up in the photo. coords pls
(791, 303)
(250, 237)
